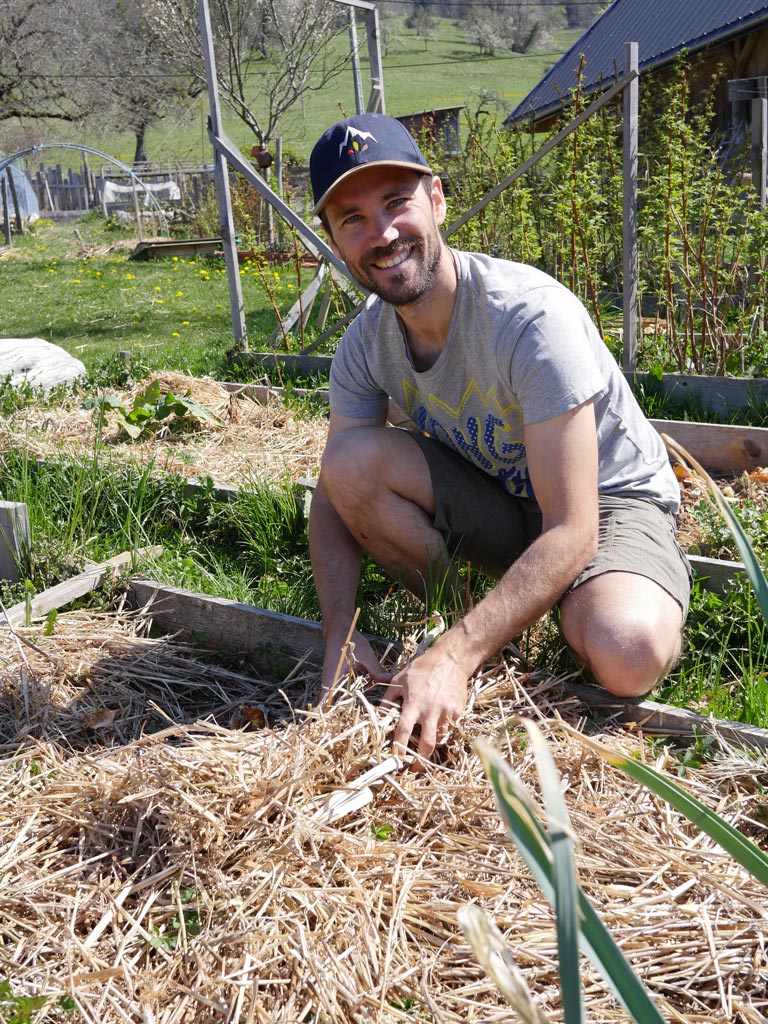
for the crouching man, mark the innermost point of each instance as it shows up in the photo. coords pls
(532, 459)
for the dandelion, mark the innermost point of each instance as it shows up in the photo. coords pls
(175, 334)
(185, 323)
(158, 288)
(179, 294)
(130, 277)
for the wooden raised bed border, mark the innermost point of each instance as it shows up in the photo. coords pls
(271, 639)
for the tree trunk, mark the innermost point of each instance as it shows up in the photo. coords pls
(140, 155)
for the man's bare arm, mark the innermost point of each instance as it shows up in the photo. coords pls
(336, 560)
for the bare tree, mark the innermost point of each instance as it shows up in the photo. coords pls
(269, 53)
(581, 14)
(499, 25)
(37, 76)
(423, 24)
(142, 84)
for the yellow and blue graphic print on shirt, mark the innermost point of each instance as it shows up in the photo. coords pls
(480, 428)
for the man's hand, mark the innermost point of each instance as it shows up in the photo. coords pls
(433, 689)
(360, 653)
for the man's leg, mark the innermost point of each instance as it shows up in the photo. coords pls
(379, 482)
(624, 629)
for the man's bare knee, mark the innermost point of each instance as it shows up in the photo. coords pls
(632, 666)
(627, 646)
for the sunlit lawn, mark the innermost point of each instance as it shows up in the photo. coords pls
(172, 313)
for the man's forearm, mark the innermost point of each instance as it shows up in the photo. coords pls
(336, 559)
(527, 591)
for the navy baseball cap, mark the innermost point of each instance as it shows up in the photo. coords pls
(356, 143)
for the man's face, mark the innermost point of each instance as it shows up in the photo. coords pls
(385, 226)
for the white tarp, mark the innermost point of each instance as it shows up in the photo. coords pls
(38, 362)
(25, 195)
(167, 191)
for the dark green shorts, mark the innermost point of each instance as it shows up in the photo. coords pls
(485, 525)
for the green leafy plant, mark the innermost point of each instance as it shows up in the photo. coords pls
(381, 830)
(150, 409)
(188, 922)
(18, 1009)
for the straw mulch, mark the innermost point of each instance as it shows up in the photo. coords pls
(162, 859)
(251, 442)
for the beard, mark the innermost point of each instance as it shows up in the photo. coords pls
(417, 276)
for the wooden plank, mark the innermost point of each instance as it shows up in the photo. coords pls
(718, 394)
(715, 573)
(15, 539)
(68, 591)
(304, 364)
(185, 247)
(267, 636)
(720, 448)
(665, 720)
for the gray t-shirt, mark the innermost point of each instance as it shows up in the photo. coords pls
(520, 349)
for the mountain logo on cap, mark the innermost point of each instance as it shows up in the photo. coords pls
(354, 141)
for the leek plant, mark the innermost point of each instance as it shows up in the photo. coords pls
(548, 850)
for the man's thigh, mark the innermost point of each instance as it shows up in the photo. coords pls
(479, 519)
(637, 538)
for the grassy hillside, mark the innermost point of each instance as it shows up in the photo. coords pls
(445, 72)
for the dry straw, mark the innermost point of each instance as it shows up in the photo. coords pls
(163, 859)
(253, 442)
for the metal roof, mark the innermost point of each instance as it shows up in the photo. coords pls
(661, 28)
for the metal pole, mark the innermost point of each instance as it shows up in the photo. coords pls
(631, 263)
(221, 176)
(359, 105)
(759, 154)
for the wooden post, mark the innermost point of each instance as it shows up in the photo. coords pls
(136, 208)
(6, 214)
(631, 268)
(280, 190)
(15, 200)
(759, 153)
(14, 539)
(373, 34)
(359, 107)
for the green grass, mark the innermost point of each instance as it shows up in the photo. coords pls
(169, 313)
(448, 73)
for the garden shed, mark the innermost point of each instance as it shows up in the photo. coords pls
(730, 39)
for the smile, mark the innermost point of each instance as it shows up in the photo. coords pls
(393, 261)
